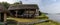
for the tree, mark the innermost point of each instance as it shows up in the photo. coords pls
(5, 4)
(18, 2)
(40, 13)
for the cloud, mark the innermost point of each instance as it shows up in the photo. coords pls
(30, 1)
(3, 0)
(12, 1)
(9, 1)
(53, 8)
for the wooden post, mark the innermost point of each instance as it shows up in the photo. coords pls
(5, 16)
(28, 13)
(16, 13)
(25, 13)
(0, 16)
(37, 12)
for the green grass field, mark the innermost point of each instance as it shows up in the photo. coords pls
(48, 23)
(44, 23)
(1, 24)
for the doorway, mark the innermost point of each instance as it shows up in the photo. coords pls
(1, 17)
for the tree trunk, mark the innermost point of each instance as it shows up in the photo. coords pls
(5, 16)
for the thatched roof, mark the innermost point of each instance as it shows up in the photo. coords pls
(23, 6)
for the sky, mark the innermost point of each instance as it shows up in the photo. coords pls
(50, 6)
(46, 6)
(24, 1)
(9, 1)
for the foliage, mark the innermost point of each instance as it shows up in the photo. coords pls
(16, 3)
(5, 4)
(40, 13)
(42, 16)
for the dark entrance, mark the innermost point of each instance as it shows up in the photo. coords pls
(1, 17)
(20, 12)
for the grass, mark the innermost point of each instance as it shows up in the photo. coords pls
(48, 23)
(11, 24)
(1, 24)
(43, 16)
(23, 20)
(45, 23)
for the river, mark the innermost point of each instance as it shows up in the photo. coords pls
(54, 17)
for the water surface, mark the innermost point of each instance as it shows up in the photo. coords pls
(54, 17)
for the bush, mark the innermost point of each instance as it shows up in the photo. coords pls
(42, 16)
